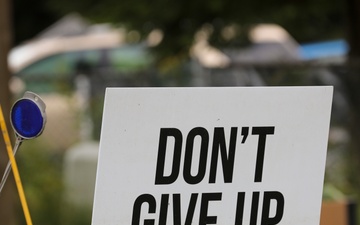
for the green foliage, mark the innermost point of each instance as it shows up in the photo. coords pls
(76, 215)
(30, 18)
(40, 172)
(42, 179)
(180, 20)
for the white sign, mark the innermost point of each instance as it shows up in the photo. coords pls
(243, 156)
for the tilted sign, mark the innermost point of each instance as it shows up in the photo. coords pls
(227, 156)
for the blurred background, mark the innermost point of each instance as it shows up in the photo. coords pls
(69, 51)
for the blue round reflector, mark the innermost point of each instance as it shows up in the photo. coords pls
(27, 119)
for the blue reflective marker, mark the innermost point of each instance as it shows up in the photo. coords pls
(28, 116)
(28, 119)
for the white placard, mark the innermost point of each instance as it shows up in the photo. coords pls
(243, 156)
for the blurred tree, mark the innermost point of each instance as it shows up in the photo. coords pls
(30, 18)
(7, 197)
(306, 20)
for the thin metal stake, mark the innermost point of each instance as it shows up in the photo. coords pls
(15, 169)
(8, 166)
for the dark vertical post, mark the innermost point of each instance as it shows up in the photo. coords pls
(7, 203)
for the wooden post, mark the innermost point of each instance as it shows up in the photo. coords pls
(8, 196)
